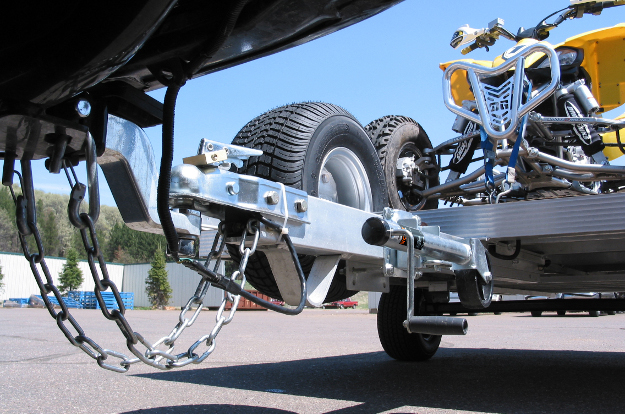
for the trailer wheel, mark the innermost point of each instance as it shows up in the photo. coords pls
(395, 339)
(561, 313)
(594, 314)
(396, 137)
(319, 148)
(536, 314)
(472, 291)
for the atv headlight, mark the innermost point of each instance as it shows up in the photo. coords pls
(566, 57)
(456, 39)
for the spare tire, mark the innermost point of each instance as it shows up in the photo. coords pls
(319, 148)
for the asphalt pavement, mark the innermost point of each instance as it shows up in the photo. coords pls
(322, 361)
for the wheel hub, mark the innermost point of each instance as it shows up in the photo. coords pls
(343, 179)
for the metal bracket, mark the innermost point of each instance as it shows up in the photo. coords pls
(480, 260)
(320, 278)
(368, 276)
(213, 152)
(284, 272)
(129, 166)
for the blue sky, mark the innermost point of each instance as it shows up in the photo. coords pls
(386, 65)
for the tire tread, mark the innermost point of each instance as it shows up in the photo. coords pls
(395, 339)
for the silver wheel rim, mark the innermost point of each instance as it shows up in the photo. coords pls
(343, 180)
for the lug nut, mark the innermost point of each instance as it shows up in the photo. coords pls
(272, 198)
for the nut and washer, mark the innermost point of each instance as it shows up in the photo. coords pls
(272, 198)
(301, 205)
(532, 152)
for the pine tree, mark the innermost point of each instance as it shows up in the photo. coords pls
(157, 285)
(71, 276)
(134, 246)
(49, 232)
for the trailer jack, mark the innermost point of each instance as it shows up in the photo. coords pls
(402, 231)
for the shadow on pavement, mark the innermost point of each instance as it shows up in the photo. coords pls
(456, 379)
(210, 408)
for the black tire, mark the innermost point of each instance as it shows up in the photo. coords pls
(610, 312)
(561, 313)
(472, 314)
(594, 314)
(395, 137)
(472, 291)
(295, 140)
(536, 314)
(395, 339)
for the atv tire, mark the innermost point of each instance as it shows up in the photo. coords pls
(396, 137)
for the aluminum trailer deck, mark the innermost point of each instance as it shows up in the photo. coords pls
(573, 244)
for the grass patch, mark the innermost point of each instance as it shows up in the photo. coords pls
(363, 300)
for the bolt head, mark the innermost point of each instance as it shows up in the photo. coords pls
(387, 213)
(301, 206)
(83, 108)
(272, 198)
(325, 177)
(389, 269)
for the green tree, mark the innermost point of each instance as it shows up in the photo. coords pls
(9, 241)
(57, 233)
(157, 286)
(130, 246)
(50, 232)
(71, 276)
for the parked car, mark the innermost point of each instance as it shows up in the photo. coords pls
(341, 304)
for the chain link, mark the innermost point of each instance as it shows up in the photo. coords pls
(85, 223)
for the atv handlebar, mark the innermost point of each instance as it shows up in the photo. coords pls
(540, 31)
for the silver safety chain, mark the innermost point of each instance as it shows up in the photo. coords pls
(27, 226)
(191, 357)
